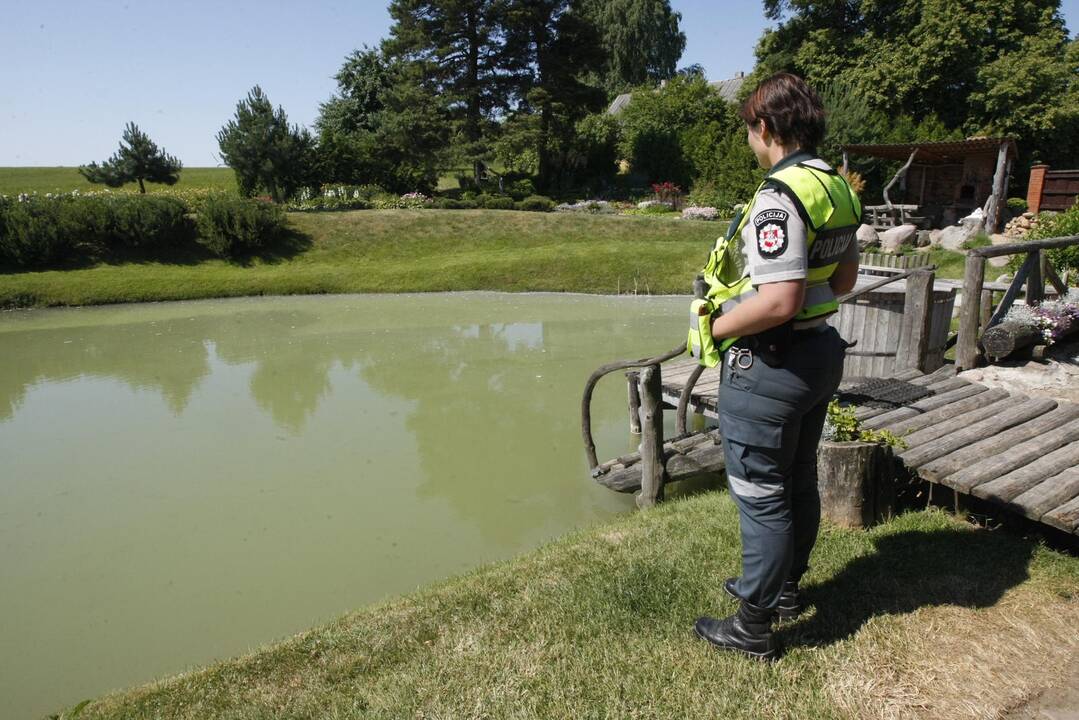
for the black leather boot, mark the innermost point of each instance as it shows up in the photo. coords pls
(790, 598)
(790, 601)
(749, 631)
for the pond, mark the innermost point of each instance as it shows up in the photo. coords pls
(184, 482)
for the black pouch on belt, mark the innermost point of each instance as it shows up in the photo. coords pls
(771, 345)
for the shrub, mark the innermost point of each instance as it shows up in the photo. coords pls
(446, 204)
(841, 425)
(41, 231)
(706, 195)
(232, 227)
(143, 221)
(30, 232)
(536, 203)
(1059, 225)
(1017, 205)
(497, 202)
(521, 189)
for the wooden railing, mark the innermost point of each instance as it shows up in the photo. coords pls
(646, 387)
(1034, 272)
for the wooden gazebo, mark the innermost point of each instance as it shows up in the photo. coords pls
(946, 180)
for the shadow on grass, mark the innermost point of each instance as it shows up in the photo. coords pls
(911, 570)
(184, 251)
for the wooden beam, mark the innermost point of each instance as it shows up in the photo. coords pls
(1026, 246)
(633, 390)
(901, 173)
(915, 325)
(1011, 293)
(996, 199)
(652, 465)
(1023, 478)
(1065, 517)
(1049, 494)
(966, 352)
(926, 452)
(1035, 283)
(990, 449)
(924, 405)
(1011, 453)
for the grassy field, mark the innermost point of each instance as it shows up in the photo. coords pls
(923, 617)
(408, 251)
(15, 180)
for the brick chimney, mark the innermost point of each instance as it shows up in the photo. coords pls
(1035, 187)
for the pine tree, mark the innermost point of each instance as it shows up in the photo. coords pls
(138, 159)
(459, 45)
(264, 151)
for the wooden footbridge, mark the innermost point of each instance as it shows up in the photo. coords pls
(1014, 451)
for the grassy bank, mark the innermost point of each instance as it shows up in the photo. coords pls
(921, 618)
(406, 251)
(15, 180)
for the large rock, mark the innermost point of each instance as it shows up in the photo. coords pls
(867, 237)
(923, 239)
(954, 236)
(934, 236)
(897, 237)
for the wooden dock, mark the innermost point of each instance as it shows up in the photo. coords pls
(1012, 450)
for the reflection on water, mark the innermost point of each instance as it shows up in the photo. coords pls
(186, 481)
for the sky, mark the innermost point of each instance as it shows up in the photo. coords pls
(74, 73)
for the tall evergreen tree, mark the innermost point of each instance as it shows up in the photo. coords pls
(641, 39)
(138, 159)
(460, 43)
(551, 48)
(264, 150)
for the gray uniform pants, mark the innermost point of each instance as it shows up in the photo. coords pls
(771, 421)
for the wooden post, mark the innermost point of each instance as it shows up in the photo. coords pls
(1035, 283)
(652, 466)
(856, 481)
(986, 309)
(966, 350)
(633, 378)
(992, 219)
(915, 325)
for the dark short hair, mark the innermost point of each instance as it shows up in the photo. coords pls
(791, 109)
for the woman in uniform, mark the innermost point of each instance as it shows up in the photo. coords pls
(782, 264)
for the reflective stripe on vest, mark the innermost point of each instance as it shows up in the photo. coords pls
(816, 296)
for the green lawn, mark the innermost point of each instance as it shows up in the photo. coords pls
(408, 251)
(15, 180)
(924, 617)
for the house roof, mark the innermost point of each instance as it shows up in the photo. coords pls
(934, 153)
(727, 89)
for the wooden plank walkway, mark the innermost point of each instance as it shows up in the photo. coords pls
(1015, 451)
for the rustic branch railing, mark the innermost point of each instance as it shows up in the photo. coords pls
(1034, 272)
(645, 391)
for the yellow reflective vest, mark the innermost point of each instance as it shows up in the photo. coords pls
(831, 213)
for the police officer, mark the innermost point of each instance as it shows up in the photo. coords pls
(773, 281)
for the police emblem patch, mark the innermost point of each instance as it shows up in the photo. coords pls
(771, 228)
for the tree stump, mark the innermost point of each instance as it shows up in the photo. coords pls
(856, 481)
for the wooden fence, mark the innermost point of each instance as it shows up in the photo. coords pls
(1034, 272)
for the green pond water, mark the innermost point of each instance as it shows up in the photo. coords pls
(185, 482)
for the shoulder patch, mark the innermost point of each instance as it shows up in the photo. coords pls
(771, 227)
